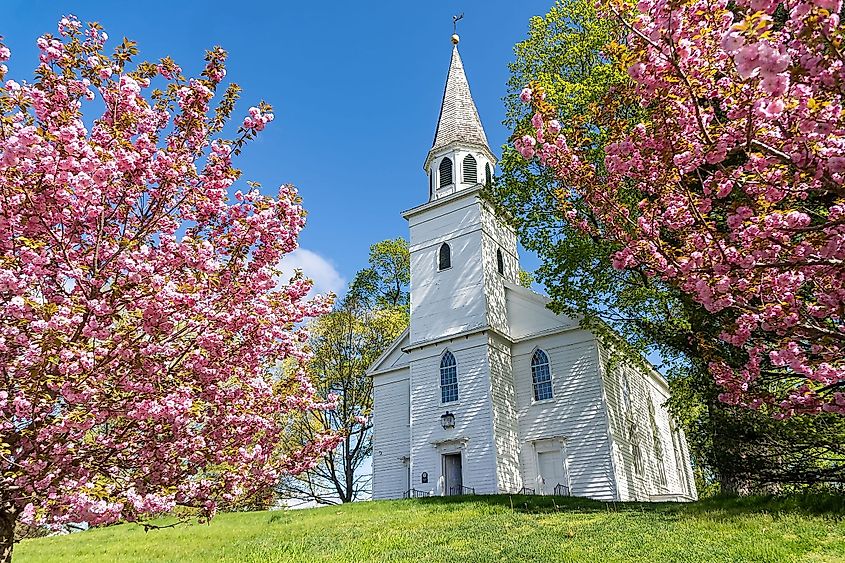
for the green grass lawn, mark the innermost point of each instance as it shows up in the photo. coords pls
(482, 528)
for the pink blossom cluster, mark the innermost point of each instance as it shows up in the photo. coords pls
(741, 164)
(257, 119)
(143, 319)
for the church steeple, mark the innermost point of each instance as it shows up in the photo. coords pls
(459, 135)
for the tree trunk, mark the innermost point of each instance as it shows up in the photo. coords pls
(7, 534)
(732, 480)
(735, 486)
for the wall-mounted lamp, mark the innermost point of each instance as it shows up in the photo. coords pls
(447, 420)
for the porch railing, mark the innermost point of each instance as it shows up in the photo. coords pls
(414, 493)
(461, 491)
(561, 490)
(526, 491)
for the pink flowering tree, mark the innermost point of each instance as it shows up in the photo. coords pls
(738, 165)
(143, 318)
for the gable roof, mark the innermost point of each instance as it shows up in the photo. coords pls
(393, 357)
(529, 316)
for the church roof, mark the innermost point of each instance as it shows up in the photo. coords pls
(458, 121)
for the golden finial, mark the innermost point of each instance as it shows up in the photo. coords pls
(455, 39)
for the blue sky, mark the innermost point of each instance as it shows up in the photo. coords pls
(356, 88)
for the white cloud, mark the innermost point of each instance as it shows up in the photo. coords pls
(326, 277)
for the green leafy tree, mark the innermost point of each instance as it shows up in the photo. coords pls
(345, 342)
(564, 54)
(526, 278)
(384, 284)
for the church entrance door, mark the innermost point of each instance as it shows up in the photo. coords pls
(453, 472)
(551, 472)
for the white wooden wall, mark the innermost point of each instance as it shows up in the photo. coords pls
(473, 431)
(505, 420)
(391, 433)
(450, 301)
(575, 414)
(645, 387)
(497, 236)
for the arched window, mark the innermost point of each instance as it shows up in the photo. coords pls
(444, 258)
(500, 261)
(626, 393)
(680, 464)
(445, 172)
(541, 376)
(488, 174)
(470, 170)
(448, 378)
(658, 446)
(636, 452)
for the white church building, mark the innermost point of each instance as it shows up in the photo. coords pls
(489, 391)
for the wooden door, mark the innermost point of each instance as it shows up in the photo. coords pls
(551, 471)
(454, 474)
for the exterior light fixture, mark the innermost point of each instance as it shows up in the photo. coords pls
(447, 420)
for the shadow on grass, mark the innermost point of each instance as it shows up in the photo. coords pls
(807, 504)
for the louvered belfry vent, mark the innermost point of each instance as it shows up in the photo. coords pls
(445, 172)
(488, 175)
(470, 170)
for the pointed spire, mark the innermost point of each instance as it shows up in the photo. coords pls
(458, 121)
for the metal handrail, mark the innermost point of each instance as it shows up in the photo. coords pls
(414, 493)
(526, 491)
(461, 491)
(561, 490)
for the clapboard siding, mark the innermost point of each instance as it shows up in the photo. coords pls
(499, 426)
(575, 414)
(505, 426)
(497, 237)
(459, 290)
(391, 434)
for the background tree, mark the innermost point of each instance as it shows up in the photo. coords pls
(566, 54)
(384, 283)
(345, 343)
(141, 310)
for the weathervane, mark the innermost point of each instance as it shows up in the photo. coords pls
(455, 20)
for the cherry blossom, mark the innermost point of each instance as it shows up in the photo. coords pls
(740, 167)
(144, 321)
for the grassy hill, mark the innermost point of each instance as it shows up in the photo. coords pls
(482, 528)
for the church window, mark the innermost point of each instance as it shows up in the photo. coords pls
(445, 172)
(658, 447)
(541, 376)
(500, 261)
(680, 464)
(444, 258)
(626, 392)
(636, 453)
(448, 378)
(488, 174)
(470, 170)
